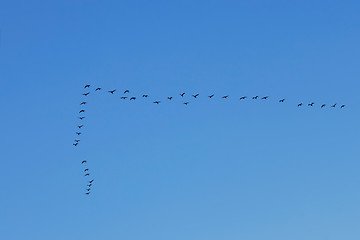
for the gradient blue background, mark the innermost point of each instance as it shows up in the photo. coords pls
(220, 169)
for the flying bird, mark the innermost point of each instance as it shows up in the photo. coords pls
(87, 86)
(89, 185)
(80, 126)
(282, 100)
(334, 105)
(342, 106)
(81, 118)
(126, 91)
(145, 95)
(87, 193)
(83, 162)
(98, 89)
(225, 96)
(75, 144)
(88, 189)
(88, 174)
(311, 104)
(123, 97)
(86, 170)
(112, 91)
(256, 97)
(243, 98)
(82, 103)
(196, 95)
(182, 94)
(186, 103)
(91, 181)
(78, 133)
(132, 98)
(85, 94)
(300, 104)
(157, 102)
(81, 111)
(77, 140)
(266, 97)
(323, 105)
(211, 96)
(170, 98)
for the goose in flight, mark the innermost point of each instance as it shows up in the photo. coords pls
(256, 97)
(123, 97)
(196, 95)
(80, 126)
(126, 91)
(186, 103)
(83, 162)
(77, 140)
(226, 96)
(211, 96)
(112, 91)
(266, 97)
(170, 98)
(87, 86)
(334, 105)
(75, 144)
(282, 100)
(98, 89)
(145, 95)
(89, 185)
(300, 104)
(311, 104)
(132, 98)
(85, 94)
(91, 181)
(81, 118)
(182, 94)
(87, 193)
(157, 102)
(81, 111)
(242, 98)
(342, 106)
(82, 103)
(88, 189)
(323, 105)
(78, 133)
(86, 170)
(88, 174)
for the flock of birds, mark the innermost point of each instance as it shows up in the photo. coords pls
(169, 98)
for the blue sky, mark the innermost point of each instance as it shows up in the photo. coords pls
(219, 169)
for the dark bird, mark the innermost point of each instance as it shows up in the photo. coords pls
(86, 170)
(182, 94)
(186, 103)
(256, 97)
(300, 104)
(157, 102)
(123, 97)
(81, 111)
(88, 174)
(81, 118)
(266, 97)
(196, 95)
(243, 98)
(91, 181)
(75, 144)
(170, 98)
(80, 126)
(85, 94)
(323, 105)
(87, 193)
(82, 103)
(88, 189)
(342, 106)
(282, 100)
(87, 86)
(77, 140)
(145, 95)
(78, 133)
(83, 162)
(126, 91)
(89, 185)
(211, 96)
(132, 98)
(225, 96)
(311, 104)
(112, 91)
(98, 89)
(334, 105)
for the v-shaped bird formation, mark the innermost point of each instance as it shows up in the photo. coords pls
(124, 95)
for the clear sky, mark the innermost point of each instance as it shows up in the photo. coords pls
(214, 169)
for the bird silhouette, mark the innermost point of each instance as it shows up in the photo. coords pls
(89, 185)
(81, 118)
(88, 189)
(88, 174)
(77, 140)
(169, 98)
(87, 193)
(242, 98)
(80, 126)
(212, 95)
(342, 106)
(334, 105)
(145, 95)
(186, 103)
(85, 94)
(98, 89)
(266, 97)
(157, 102)
(311, 104)
(112, 91)
(83, 162)
(75, 144)
(82, 103)
(282, 100)
(78, 133)
(132, 98)
(196, 95)
(87, 86)
(91, 181)
(86, 169)
(226, 96)
(81, 111)
(182, 94)
(256, 97)
(126, 91)
(300, 104)
(323, 105)
(123, 97)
